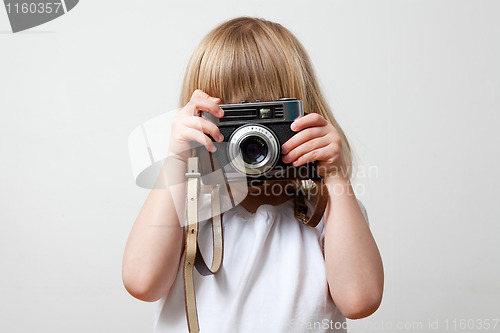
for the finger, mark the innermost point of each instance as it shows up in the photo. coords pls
(191, 134)
(309, 120)
(198, 93)
(305, 148)
(315, 155)
(205, 126)
(301, 137)
(205, 103)
(198, 105)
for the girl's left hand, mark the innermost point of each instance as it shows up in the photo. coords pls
(317, 140)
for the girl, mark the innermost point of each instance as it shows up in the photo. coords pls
(278, 275)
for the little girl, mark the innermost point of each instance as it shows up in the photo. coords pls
(278, 275)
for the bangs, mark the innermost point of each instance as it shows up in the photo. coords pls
(247, 63)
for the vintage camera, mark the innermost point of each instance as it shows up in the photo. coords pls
(253, 135)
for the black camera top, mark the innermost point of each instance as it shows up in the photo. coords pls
(284, 109)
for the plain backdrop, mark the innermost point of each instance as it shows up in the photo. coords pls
(415, 85)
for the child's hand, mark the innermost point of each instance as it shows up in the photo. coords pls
(188, 125)
(317, 141)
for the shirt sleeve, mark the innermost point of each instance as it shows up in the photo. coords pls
(363, 210)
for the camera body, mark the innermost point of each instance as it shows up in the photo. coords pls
(253, 135)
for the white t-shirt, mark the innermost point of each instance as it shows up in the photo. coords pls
(272, 278)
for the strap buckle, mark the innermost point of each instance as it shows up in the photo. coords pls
(193, 175)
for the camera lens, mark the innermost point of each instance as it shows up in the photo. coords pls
(253, 150)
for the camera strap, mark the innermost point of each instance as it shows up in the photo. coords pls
(193, 257)
(301, 209)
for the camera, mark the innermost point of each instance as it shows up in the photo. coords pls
(253, 135)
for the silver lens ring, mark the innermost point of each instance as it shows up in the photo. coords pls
(257, 131)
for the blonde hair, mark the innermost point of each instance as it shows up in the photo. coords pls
(249, 59)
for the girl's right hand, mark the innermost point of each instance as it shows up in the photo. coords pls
(189, 126)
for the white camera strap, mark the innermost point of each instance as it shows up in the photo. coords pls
(193, 255)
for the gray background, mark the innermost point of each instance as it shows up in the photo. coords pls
(415, 85)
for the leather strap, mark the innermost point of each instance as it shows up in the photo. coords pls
(217, 239)
(193, 181)
(301, 209)
(193, 256)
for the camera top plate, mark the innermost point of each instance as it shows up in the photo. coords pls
(285, 109)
